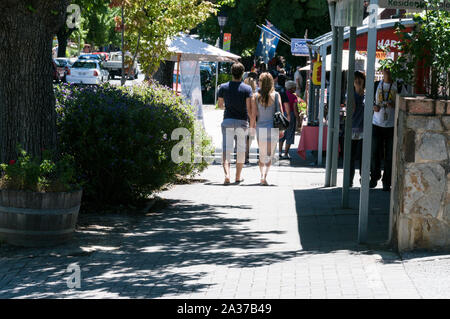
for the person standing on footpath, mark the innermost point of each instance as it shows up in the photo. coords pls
(383, 131)
(235, 98)
(264, 105)
(251, 81)
(291, 112)
(279, 82)
(357, 124)
(298, 79)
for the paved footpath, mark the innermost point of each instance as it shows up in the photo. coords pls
(287, 240)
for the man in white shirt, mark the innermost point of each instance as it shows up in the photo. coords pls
(298, 79)
(383, 131)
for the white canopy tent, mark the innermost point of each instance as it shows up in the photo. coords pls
(188, 51)
(187, 48)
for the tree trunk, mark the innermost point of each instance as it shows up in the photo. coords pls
(164, 75)
(63, 35)
(27, 101)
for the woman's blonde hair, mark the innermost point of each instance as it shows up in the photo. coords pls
(251, 81)
(266, 88)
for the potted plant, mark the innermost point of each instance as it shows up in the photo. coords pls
(39, 200)
(301, 113)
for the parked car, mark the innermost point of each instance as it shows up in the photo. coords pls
(114, 66)
(90, 57)
(62, 65)
(87, 72)
(63, 61)
(103, 55)
(206, 76)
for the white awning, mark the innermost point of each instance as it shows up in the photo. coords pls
(327, 39)
(191, 49)
(358, 57)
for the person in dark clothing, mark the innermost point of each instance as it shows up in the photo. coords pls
(280, 81)
(357, 124)
(235, 99)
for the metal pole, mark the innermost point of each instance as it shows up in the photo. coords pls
(330, 102)
(178, 72)
(348, 120)
(337, 107)
(218, 64)
(122, 80)
(217, 75)
(311, 89)
(316, 103)
(368, 116)
(215, 90)
(323, 52)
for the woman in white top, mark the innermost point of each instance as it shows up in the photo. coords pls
(262, 111)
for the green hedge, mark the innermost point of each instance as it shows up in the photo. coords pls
(120, 138)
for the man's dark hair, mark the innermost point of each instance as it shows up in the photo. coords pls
(280, 61)
(253, 75)
(237, 70)
(274, 73)
(262, 67)
(360, 75)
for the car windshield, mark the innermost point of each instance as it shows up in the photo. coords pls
(91, 56)
(116, 57)
(61, 62)
(84, 65)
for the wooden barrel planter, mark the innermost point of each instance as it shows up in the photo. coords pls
(38, 219)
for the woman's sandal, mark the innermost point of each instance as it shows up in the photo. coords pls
(239, 181)
(227, 181)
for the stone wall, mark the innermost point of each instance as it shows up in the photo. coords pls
(420, 198)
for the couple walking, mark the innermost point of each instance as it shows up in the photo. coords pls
(248, 113)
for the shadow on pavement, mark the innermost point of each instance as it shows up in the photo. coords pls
(149, 256)
(325, 226)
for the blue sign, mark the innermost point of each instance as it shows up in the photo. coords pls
(299, 47)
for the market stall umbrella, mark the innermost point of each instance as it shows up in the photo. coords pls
(190, 49)
(187, 48)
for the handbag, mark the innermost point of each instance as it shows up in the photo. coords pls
(280, 121)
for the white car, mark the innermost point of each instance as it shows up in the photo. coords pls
(87, 72)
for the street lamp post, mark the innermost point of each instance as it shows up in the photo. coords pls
(222, 19)
(122, 80)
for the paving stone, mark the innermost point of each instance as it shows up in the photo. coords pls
(227, 242)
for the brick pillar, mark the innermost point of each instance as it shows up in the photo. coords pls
(420, 199)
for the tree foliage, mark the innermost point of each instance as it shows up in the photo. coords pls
(96, 27)
(293, 17)
(149, 23)
(426, 44)
(100, 25)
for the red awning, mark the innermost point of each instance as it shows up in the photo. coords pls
(385, 37)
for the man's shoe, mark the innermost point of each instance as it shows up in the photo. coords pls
(373, 183)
